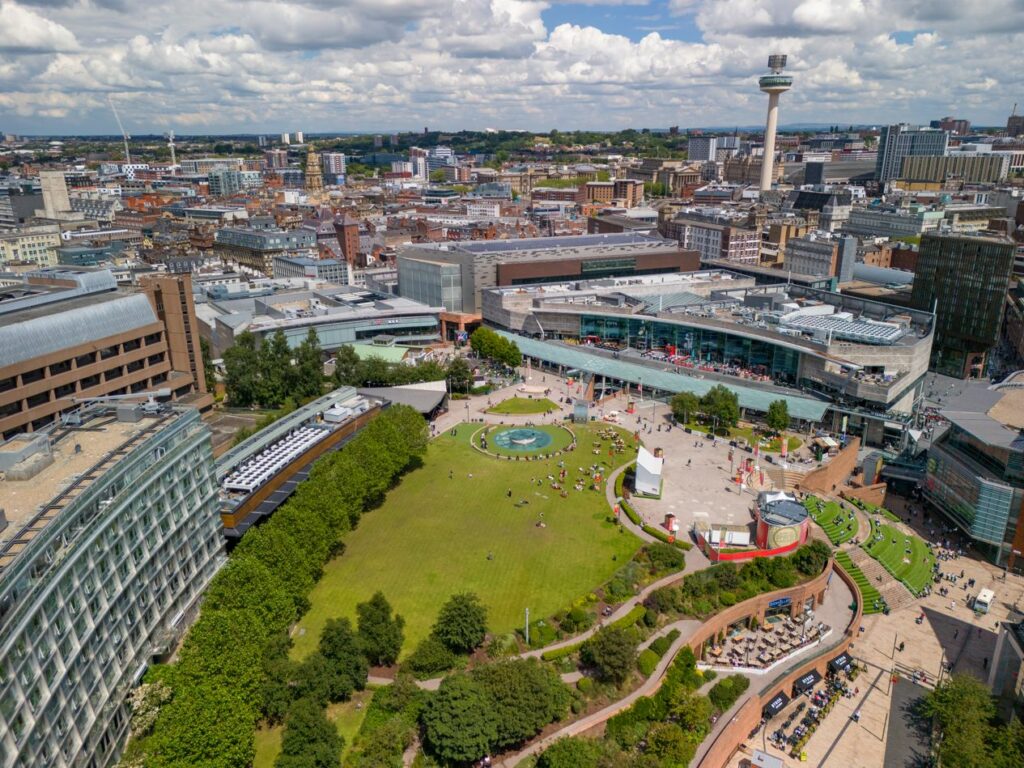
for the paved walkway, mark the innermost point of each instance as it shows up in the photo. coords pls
(648, 688)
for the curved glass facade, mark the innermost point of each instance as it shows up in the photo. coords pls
(702, 344)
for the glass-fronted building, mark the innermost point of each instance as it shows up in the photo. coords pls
(761, 356)
(975, 477)
(99, 579)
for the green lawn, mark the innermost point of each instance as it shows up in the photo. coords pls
(874, 509)
(872, 600)
(906, 557)
(838, 525)
(432, 536)
(347, 717)
(747, 433)
(523, 405)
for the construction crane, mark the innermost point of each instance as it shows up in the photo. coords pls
(124, 133)
(170, 143)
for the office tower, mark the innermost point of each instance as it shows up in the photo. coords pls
(114, 534)
(378, 141)
(286, 138)
(55, 193)
(314, 176)
(964, 278)
(299, 137)
(261, 140)
(774, 85)
(899, 141)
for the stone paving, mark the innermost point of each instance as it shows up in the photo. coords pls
(947, 634)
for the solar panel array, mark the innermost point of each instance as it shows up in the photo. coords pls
(852, 330)
(272, 459)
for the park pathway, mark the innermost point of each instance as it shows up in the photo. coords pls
(648, 688)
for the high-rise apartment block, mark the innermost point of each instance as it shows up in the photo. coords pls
(965, 278)
(276, 158)
(113, 533)
(701, 148)
(224, 181)
(1015, 124)
(956, 125)
(899, 141)
(334, 165)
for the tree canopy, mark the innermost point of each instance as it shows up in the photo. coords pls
(269, 373)
(462, 623)
(460, 723)
(777, 417)
(491, 345)
(611, 653)
(380, 633)
(722, 404)
(685, 406)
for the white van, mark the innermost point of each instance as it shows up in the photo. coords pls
(984, 601)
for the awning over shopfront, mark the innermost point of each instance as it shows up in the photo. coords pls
(806, 682)
(840, 662)
(773, 707)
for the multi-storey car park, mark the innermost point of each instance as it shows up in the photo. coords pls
(862, 362)
(109, 532)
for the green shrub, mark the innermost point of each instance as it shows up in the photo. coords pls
(431, 657)
(585, 685)
(725, 692)
(708, 675)
(630, 618)
(647, 661)
(560, 653)
(661, 645)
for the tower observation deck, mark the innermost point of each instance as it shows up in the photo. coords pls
(774, 84)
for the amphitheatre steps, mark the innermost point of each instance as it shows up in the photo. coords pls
(896, 595)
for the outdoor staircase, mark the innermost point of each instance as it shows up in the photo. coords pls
(896, 595)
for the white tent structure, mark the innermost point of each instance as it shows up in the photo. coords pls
(648, 473)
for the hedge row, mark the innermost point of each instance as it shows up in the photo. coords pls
(560, 653)
(631, 618)
(662, 536)
(218, 679)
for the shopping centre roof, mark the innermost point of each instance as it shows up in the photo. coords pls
(757, 400)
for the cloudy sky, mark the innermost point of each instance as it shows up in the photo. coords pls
(379, 65)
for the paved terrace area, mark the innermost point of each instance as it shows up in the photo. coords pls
(949, 633)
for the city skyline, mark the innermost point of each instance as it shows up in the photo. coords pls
(228, 66)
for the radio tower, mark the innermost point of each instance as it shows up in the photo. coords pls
(774, 84)
(314, 175)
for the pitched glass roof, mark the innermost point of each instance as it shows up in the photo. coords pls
(754, 399)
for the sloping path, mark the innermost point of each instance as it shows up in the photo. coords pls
(648, 688)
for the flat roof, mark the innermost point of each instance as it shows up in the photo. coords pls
(80, 456)
(560, 354)
(556, 243)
